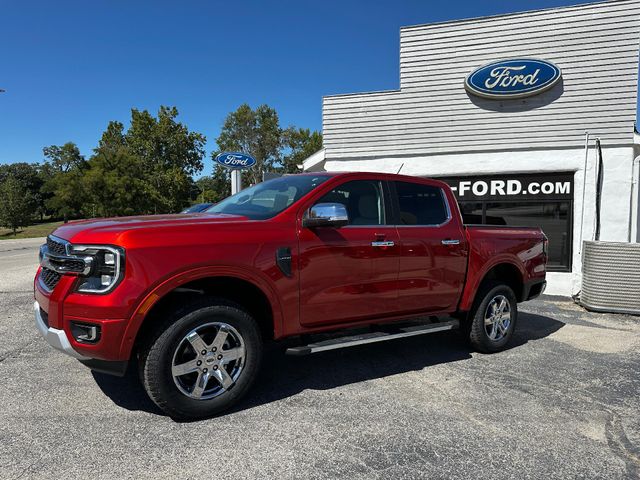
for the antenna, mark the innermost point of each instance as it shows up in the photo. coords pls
(400, 169)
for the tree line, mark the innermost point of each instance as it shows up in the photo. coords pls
(147, 168)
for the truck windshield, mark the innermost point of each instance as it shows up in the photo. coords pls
(269, 198)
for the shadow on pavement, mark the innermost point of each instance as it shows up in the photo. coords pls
(126, 392)
(283, 376)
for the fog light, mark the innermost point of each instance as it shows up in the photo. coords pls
(85, 333)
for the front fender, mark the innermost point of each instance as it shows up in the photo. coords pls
(255, 277)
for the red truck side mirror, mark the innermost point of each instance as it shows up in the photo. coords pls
(326, 215)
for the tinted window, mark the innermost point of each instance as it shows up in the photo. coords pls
(269, 198)
(421, 204)
(362, 199)
(472, 212)
(553, 217)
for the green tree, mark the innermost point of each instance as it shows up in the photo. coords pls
(116, 185)
(256, 133)
(147, 168)
(213, 188)
(16, 204)
(30, 178)
(65, 166)
(64, 158)
(302, 143)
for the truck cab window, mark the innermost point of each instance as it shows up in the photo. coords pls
(362, 199)
(421, 204)
(267, 199)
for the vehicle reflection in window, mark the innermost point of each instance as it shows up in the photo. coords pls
(267, 199)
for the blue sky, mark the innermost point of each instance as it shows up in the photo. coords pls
(68, 67)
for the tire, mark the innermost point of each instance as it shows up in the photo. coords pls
(493, 337)
(188, 384)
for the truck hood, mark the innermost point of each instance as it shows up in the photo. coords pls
(112, 228)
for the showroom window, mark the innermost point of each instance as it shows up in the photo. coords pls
(553, 217)
(526, 200)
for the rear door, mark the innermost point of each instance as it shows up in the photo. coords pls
(350, 273)
(433, 256)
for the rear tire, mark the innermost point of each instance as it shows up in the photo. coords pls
(493, 318)
(202, 359)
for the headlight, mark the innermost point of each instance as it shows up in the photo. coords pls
(107, 267)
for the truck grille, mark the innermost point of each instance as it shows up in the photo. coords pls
(56, 248)
(49, 278)
(74, 265)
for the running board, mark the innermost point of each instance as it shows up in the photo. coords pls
(373, 337)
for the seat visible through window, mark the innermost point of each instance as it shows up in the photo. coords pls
(362, 199)
(421, 204)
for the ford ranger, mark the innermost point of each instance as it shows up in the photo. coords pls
(323, 260)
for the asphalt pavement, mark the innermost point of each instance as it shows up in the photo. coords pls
(562, 402)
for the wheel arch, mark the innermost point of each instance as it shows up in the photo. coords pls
(241, 286)
(505, 269)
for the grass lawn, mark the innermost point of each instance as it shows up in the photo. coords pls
(33, 231)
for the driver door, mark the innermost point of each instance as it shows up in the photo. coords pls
(350, 273)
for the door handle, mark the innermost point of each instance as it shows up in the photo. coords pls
(383, 244)
(451, 242)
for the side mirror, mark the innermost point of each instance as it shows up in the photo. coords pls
(326, 215)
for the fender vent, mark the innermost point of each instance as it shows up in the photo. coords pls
(611, 277)
(283, 260)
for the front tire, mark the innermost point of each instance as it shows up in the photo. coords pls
(202, 360)
(493, 318)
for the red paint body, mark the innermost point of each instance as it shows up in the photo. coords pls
(338, 279)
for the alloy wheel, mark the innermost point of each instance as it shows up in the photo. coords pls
(208, 361)
(497, 318)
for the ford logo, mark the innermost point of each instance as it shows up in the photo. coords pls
(235, 160)
(513, 78)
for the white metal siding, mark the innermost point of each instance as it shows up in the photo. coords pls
(595, 45)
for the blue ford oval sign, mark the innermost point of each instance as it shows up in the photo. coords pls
(235, 160)
(513, 78)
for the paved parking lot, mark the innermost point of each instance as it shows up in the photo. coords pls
(563, 402)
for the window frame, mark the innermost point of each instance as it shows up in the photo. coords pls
(387, 210)
(396, 204)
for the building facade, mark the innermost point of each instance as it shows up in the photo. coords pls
(526, 159)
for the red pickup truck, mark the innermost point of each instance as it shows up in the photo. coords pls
(324, 260)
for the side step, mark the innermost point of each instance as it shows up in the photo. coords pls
(373, 337)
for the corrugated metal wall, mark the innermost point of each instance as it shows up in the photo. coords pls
(610, 277)
(595, 45)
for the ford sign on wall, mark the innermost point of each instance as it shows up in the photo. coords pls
(513, 78)
(235, 160)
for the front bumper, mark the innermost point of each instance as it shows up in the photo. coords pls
(54, 337)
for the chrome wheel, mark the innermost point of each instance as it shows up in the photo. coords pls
(497, 318)
(208, 360)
